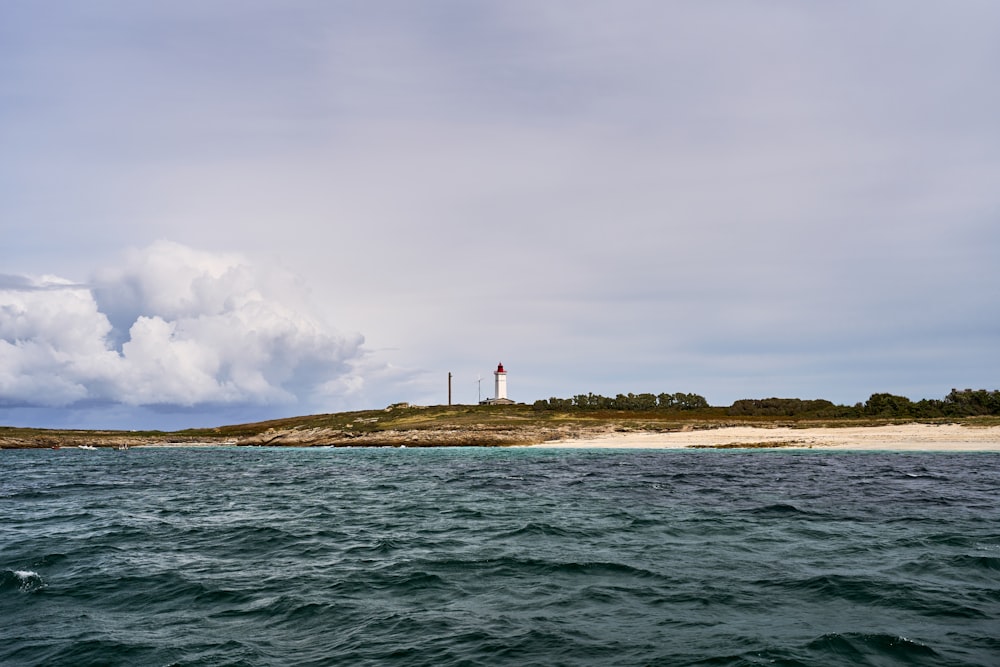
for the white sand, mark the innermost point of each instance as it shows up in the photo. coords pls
(903, 437)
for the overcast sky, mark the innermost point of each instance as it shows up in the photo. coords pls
(217, 212)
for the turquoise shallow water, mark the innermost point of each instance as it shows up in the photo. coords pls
(498, 557)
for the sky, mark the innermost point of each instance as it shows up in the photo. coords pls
(223, 211)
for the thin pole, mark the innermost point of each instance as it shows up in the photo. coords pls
(449, 387)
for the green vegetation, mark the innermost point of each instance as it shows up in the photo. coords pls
(673, 402)
(965, 403)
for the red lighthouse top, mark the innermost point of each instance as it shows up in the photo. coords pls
(500, 368)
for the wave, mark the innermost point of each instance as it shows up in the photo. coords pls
(89, 651)
(525, 568)
(884, 592)
(782, 511)
(49, 559)
(534, 528)
(24, 581)
(948, 566)
(984, 563)
(850, 648)
(380, 546)
(980, 569)
(848, 587)
(137, 591)
(872, 648)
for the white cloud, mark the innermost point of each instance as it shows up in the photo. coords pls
(51, 343)
(193, 328)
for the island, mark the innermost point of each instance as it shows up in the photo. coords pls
(963, 421)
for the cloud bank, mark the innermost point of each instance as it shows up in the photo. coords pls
(171, 326)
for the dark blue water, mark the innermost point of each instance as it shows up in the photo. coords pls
(498, 557)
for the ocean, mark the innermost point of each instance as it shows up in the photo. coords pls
(498, 556)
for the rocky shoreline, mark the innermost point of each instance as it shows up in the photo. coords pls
(474, 436)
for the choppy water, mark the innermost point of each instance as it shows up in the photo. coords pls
(498, 557)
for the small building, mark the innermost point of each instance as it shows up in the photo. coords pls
(500, 388)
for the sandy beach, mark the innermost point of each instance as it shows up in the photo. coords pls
(902, 437)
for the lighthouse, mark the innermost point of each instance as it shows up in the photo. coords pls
(501, 383)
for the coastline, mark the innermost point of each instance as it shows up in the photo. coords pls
(896, 437)
(906, 436)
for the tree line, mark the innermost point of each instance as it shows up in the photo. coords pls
(958, 403)
(638, 402)
(964, 403)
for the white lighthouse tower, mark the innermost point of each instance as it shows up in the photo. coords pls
(501, 383)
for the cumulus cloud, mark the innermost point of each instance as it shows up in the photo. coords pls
(171, 326)
(52, 349)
